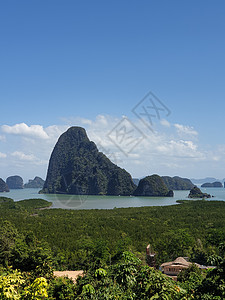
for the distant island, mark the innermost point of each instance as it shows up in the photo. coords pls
(177, 183)
(37, 182)
(153, 186)
(14, 182)
(173, 183)
(206, 180)
(216, 184)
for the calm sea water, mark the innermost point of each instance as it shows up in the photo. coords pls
(107, 202)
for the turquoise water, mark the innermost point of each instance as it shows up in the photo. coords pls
(107, 202)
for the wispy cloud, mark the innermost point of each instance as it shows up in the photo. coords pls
(22, 156)
(185, 130)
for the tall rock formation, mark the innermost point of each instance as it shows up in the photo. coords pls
(153, 186)
(15, 182)
(3, 186)
(77, 167)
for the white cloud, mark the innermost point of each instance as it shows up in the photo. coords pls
(155, 150)
(101, 119)
(165, 123)
(180, 148)
(22, 156)
(36, 131)
(86, 121)
(185, 130)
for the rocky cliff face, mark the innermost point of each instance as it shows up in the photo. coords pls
(77, 167)
(37, 182)
(3, 186)
(14, 182)
(177, 183)
(153, 186)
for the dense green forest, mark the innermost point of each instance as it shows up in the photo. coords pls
(194, 229)
(109, 245)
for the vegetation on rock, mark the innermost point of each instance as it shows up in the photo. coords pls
(15, 182)
(77, 167)
(152, 186)
(213, 184)
(177, 183)
(37, 182)
(3, 186)
(195, 192)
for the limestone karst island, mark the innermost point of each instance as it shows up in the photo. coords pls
(77, 167)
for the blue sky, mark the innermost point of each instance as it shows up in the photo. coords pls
(89, 63)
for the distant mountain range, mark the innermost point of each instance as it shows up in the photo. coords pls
(206, 180)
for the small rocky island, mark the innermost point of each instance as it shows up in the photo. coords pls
(14, 182)
(216, 184)
(37, 182)
(3, 186)
(195, 192)
(153, 186)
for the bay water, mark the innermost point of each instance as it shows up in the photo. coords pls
(107, 202)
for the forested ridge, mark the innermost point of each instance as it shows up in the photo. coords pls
(112, 242)
(177, 183)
